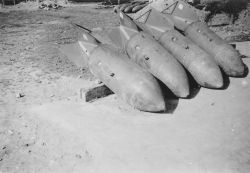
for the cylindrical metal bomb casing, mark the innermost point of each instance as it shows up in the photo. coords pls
(129, 8)
(150, 55)
(198, 62)
(123, 6)
(225, 55)
(138, 7)
(126, 79)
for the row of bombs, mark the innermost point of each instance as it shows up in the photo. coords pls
(133, 7)
(160, 44)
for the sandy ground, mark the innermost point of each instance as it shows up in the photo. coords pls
(46, 127)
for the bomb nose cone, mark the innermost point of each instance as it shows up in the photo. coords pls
(213, 78)
(182, 91)
(149, 102)
(147, 96)
(206, 72)
(230, 61)
(178, 85)
(175, 78)
(127, 28)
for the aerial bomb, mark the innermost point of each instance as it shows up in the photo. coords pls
(198, 62)
(185, 19)
(125, 78)
(225, 55)
(149, 54)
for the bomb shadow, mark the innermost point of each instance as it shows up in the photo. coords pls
(246, 71)
(194, 86)
(171, 101)
(226, 79)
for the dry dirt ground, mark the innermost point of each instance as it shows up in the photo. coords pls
(46, 127)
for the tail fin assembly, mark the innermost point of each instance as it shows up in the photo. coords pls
(155, 22)
(152, 21)
(179, 11)
(78, 52)
(127, 27)
(87, 42)
(125, 31)
(183, 14)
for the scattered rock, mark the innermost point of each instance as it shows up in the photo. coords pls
(12, 59)
(10, 132)
(38, 81)
(49, 4)
(79, 77)
(97, 82)
(19, 95)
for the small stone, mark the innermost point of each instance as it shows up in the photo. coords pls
(97, 81)
(19, 95)
(38, 81)
(79, 77)
(10, 132)
(27, 48)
